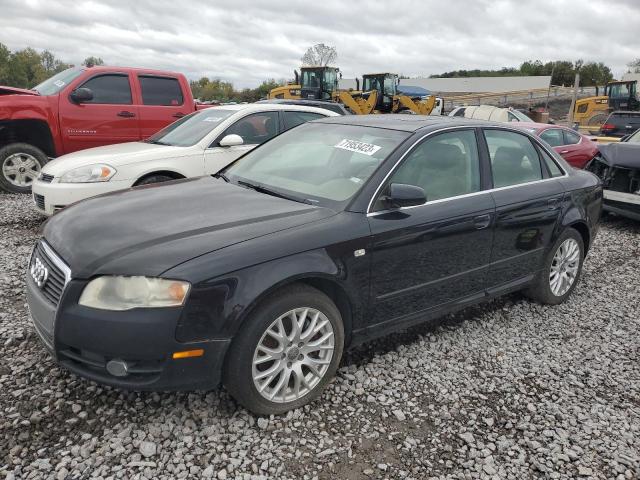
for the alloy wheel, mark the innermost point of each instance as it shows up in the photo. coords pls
(293, 355)
(20, 169)
(564, 267)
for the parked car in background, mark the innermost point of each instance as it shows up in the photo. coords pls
(199, 144)
(618, 165)
(620, 124)
(490, 112)
(575, 148)
(81, 108)
(333, 106)
(334, 233)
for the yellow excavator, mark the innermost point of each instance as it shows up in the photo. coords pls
(379, 92)
(382, 96)
(317, 83)
(591, 112)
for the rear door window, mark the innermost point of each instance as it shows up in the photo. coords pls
(514, 159)
(161, 91)
(571, 138)
(553, 136)
(111, 89)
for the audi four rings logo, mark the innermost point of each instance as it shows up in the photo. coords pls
(39, 272)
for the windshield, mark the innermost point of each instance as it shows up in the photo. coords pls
(635, 138)
(53, 85)
(189, 130)
(321, 163)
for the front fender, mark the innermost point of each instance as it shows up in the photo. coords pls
(217, 308)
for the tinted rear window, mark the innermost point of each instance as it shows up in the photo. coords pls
(161, 91)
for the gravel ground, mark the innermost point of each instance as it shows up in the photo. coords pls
(511, 389)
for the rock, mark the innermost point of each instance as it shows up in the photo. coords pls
(147, 449)
(263, 423)
(399, 414)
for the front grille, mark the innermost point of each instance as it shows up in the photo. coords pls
(46, 178)
(39, 199)
(56, 276)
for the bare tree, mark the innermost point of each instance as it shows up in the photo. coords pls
(634, 67)
(320, 55)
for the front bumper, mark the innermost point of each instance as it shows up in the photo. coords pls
(83, 340)
(51, 197)
(623, 204)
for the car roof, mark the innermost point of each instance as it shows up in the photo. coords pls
(406, 122)
(259, 107)
(538, 126)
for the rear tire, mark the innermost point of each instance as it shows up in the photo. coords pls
(20, 165)
(561, 270)
(271, 367)
(153, 178)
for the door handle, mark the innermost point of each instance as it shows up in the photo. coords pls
(481, 221)
(126, 114)
(178, 115)
(564, 151)
(553, 203)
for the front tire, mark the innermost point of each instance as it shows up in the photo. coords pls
(561, 271)
(20, 165)
(287, 351)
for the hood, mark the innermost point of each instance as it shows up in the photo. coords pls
(16, 91)
(623, 154)
(147, 230)
(114, 155)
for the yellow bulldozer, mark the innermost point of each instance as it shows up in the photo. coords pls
(379, 93)
(591, 112)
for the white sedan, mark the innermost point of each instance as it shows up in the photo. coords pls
(199, 144)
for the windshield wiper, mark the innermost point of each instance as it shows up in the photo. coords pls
(268, 191)
(222, 176)
(157, 142)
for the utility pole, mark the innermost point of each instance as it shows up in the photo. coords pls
(546, 104)
(576, 82)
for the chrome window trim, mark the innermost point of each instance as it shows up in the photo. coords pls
(369, 213)
(58, 262)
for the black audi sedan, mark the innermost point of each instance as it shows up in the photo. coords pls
(336, 232)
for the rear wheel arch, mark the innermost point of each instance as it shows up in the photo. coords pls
(582, 228)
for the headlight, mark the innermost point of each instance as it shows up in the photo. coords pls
(88, 174)
(125, 293)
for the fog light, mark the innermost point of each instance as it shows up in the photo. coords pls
(188, 353)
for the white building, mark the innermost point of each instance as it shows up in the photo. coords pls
(470, 84)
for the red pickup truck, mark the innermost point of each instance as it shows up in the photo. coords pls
(81, 108)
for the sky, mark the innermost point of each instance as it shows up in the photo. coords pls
(248, 41)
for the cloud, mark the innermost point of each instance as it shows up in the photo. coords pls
(247, 41)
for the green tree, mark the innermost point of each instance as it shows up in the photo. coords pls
(92, 61)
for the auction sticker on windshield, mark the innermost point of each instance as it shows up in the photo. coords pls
(358, 147)
(212, 119)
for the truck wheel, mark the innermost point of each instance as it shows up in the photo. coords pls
(286, 352)
(20, 165)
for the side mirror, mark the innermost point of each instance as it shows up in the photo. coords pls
(231, 140)
(403, 195)
(81, 95)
